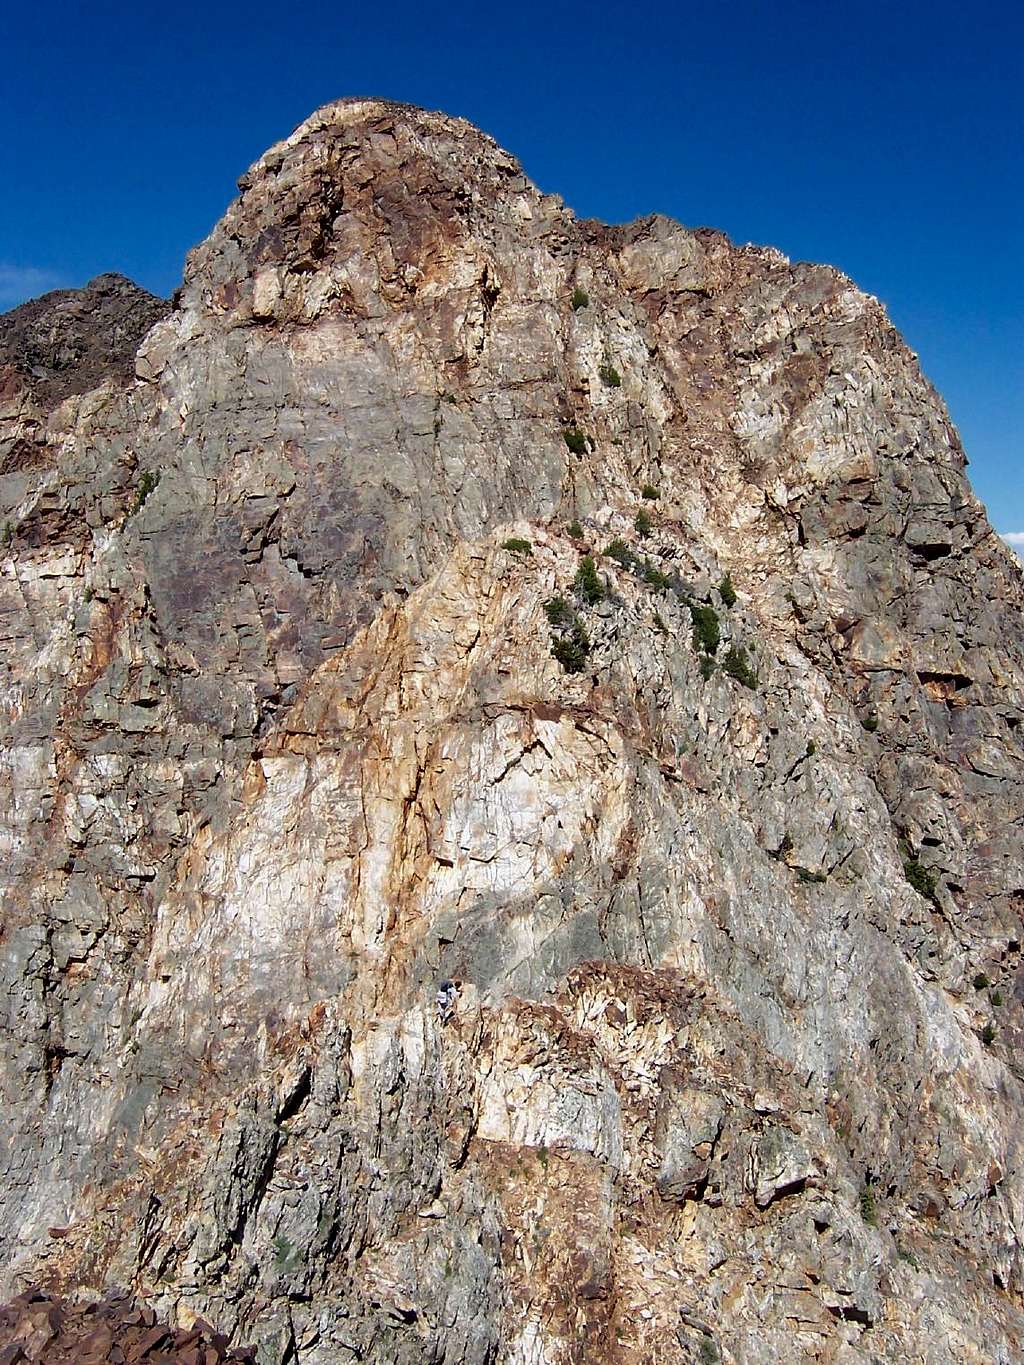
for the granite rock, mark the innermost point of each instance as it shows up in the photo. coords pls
(733, 1069)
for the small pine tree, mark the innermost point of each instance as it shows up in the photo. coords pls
(559, 612)
(738, 666)
(571, 650)
(588, 582)
(706, 631)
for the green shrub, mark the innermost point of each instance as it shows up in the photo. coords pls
(659, 624)
(981, 982)
(580, 299)
(988, 1034)
(654, 576)
(868, 1211)
(7, 534)
(146, 485)
(997, 998)
(517, 545)
(576, 530)
(571, 650)
(870, 722)
(921, 878)
(621, 553)
(575, 440)
(727, 592)
(643, 524)
(737, 665)
(610, 376)
(588, 582)
(650, 492)
(709, 1353)
(706, 632)
(707, 666)
(812, 748)
(559, 612)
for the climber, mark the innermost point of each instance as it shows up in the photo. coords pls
(446, 993)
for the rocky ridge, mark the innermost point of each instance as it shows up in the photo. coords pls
(732, 887)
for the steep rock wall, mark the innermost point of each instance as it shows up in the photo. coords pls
(733, 1065)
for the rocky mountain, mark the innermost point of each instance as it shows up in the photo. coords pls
(596, 618)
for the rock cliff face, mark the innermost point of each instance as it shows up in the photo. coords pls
(732, 887)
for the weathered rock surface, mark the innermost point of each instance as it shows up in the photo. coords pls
(38, 1327)
(734, 1067)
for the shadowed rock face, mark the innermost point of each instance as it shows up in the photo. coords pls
(72, 340)
(732, 1068)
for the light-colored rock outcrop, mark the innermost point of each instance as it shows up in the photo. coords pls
(733, 1068)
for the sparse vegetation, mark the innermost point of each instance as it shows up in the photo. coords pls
(909, 1257)
(580, 299)
(706, 630)
(650, 492)
(146, 485)
(981, 982)
(727, 592)
(621, 553)
(868, 1210)
(6, 533)
(870, 721)
(812, 748)
(921, 878)
(571, 650)
(707, 666)
(643, 524)
(988, 1034)
(588, 582)
(571, 643)
(659, 624)
(576, 530)
(738, 666)
(610, 376)
(997, 998)
(654, 576)
(709, 1353)
(813, 878)
(559, 612)
(517, 545)
(575, 440)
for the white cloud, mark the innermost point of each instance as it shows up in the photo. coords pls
(1015, 539)
(21, 282)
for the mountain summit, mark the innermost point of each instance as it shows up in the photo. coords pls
(512, 792)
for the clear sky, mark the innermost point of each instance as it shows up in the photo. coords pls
(885, 139)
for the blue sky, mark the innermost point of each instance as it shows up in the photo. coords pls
(883, 139)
